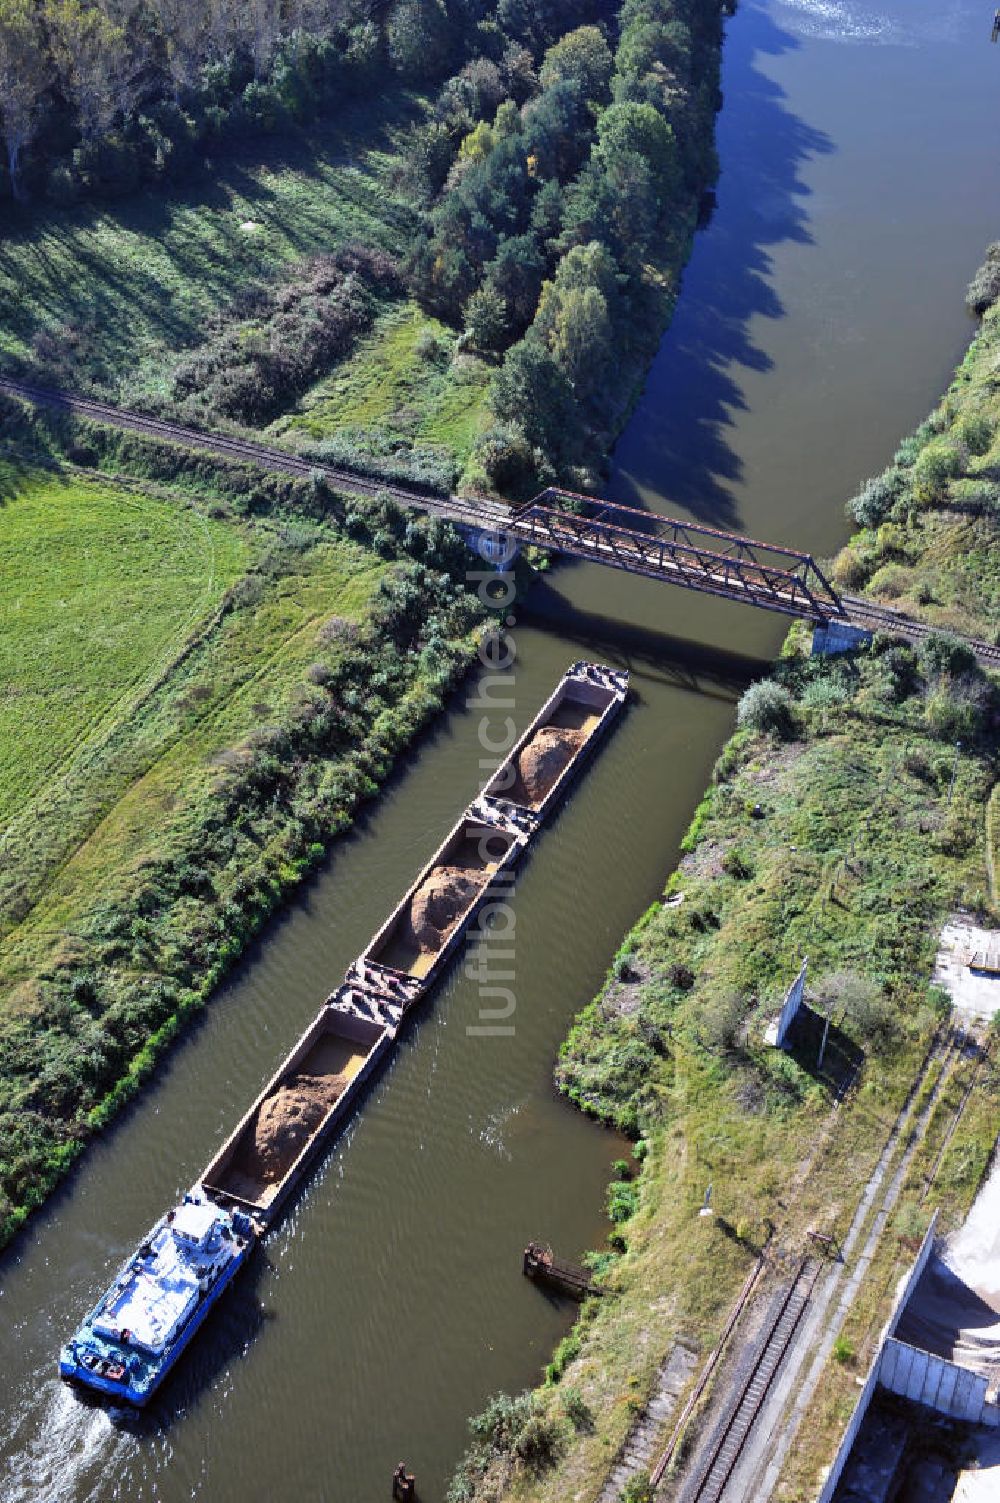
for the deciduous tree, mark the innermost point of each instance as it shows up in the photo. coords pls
(88, 51)
(582, 57)
(25, 74)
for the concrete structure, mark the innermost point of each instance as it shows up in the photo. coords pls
(837, 636)
(777, 1032)
(941, 1385)
(965, 958)
(906, 1288)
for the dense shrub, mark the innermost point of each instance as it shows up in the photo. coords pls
(850, 569)
(984, 289)
(638, 1489)
(975, 431)
(510, 1434)
(938, 463)
(254, 366)
(507, 458)
(721, 1021)
(864, 1006)
(578, 1411)
(875, 499)
(943, 652)
(767, 706)
(956, 710)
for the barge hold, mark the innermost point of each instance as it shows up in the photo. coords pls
(160, 1297)
(298, 1108)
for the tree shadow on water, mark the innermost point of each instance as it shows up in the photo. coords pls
(676, 444)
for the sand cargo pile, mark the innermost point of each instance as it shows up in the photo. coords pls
(316, 1085)
(312, 1090)
(271, 1147)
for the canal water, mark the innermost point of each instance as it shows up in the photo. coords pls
(819, 319)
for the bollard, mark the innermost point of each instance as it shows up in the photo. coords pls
(404, 1485)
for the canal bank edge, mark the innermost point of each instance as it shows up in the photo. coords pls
(166, 929)
(845, 821)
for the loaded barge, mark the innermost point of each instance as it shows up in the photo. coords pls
(162, 1294)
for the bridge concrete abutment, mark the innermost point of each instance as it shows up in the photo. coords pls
(495, 547)
(837, 636)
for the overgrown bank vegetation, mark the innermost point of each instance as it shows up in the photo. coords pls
(210, 731)
(524, 179)
(846, 819)
(929, 539)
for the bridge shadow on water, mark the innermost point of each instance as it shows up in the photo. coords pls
(649, 653)
(676, 445)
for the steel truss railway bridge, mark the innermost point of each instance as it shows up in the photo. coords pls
(682, 553)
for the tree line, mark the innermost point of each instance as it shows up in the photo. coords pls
(560, 151)
(541, 235)
(97, 96)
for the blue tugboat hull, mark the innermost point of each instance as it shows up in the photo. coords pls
(119, 1364)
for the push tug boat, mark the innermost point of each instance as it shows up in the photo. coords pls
(159, 1298)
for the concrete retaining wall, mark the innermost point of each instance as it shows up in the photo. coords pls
(850, 1434)
(912, 1279)
(931, 1380)
(793, 1001)
(872, 1380)
(837, 636)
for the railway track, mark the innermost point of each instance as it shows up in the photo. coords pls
(485, 513)
(871, 617)
(619, 547)
(726, 1446)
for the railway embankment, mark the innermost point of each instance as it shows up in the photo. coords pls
(846, 820)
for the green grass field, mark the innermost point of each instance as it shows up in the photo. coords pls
(111, 294)
(99, 587)
(406, 379)
(106, 299)
(124, 680)
(195, 701)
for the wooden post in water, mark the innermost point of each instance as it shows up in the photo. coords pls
(404, 1486)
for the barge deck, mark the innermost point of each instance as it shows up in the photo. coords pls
(316, 1085)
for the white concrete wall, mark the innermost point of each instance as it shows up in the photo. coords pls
(931, 1380)
(850, 1434)
(910, 1282)
(872, 1381)
(792, 1003)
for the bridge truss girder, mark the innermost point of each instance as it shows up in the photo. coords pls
(683, 553)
